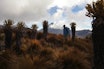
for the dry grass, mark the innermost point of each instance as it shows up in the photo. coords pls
(52, 54)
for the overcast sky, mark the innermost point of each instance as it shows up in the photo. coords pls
(59, 12)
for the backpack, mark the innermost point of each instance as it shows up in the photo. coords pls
(68, 30)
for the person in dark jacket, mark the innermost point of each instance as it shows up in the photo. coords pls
(66, 32)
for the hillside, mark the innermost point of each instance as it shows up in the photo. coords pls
(83, 33)
(53, 53)
(79, 33)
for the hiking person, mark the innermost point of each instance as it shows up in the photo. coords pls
(66, 32)
(8, 33)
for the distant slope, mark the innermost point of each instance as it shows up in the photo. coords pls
(83, 33)
(55, 31)
(79, 33)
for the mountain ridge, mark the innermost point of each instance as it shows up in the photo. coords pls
(79, 33)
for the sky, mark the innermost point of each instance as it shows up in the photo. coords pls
(58, 12)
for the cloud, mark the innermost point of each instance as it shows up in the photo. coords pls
(82, 21)
(35, 11)
(58, 15)
(65, 3)
(69, 3)
(28, 10)
(59, 24)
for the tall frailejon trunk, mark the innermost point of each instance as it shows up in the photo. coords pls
(8, 33)
(96, 11)
(45, 29)
(8, 37)
(34, 31)
(98, 41)
(73, 33)
(19, 36)
(73, 28)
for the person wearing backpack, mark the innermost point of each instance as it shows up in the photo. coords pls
(66, 32)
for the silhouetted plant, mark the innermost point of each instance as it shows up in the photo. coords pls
(34, 31)
(73, 29)
(96, 11)
(45, 28)
(39, 35)
(8, 33)
(37, 55)
(29, 32)
(19, 35)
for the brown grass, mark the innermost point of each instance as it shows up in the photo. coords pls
(52, 54)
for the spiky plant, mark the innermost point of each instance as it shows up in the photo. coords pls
(45, 28)
(8, 32)
(20, 25)
(96, 11)
(34, 26)
(34, 31)
(73, 28)
(19, 35)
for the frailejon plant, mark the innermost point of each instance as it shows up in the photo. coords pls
(34, 31)
(45, 28)
(19, 35)
(73, 29)
(96, 11)
(8, 33)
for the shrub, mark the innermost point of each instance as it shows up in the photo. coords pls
(73, 59)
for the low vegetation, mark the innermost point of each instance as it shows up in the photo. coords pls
(53, 53)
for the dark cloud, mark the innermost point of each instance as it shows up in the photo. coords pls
(27, 10)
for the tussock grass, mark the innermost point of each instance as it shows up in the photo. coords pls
(53, 54)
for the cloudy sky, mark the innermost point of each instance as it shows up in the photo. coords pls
(59, 12)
